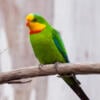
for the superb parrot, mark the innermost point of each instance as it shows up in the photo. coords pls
(49, 48)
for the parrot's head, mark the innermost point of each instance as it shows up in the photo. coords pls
(36, 23)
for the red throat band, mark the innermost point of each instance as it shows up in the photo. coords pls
(35, 32)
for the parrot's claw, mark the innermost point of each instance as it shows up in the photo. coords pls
(56, 67)
(40, 66)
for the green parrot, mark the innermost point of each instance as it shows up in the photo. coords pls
(49, 48)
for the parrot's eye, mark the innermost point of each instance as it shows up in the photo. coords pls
(34, 20)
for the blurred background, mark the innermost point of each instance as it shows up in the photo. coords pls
(77, 20)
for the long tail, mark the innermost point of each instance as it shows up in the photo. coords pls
(74, 84)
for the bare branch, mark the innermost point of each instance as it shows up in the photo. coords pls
(34, 71)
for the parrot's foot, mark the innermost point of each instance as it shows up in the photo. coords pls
(56, 67)
(40, 66)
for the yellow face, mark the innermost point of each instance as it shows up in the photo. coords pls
(34, 26)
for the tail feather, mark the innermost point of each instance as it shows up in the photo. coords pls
(74, 84)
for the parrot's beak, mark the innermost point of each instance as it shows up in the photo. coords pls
(27, 23)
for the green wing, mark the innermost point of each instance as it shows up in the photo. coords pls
(59, 44)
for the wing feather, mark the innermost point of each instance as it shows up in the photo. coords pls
(59, 43)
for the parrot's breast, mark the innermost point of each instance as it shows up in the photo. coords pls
(45, 49)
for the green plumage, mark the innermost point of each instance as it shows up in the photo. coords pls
(45, 48)
(49, 48)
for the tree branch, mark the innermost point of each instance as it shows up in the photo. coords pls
(51, 69)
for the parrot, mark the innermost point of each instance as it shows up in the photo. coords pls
(49, 48)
